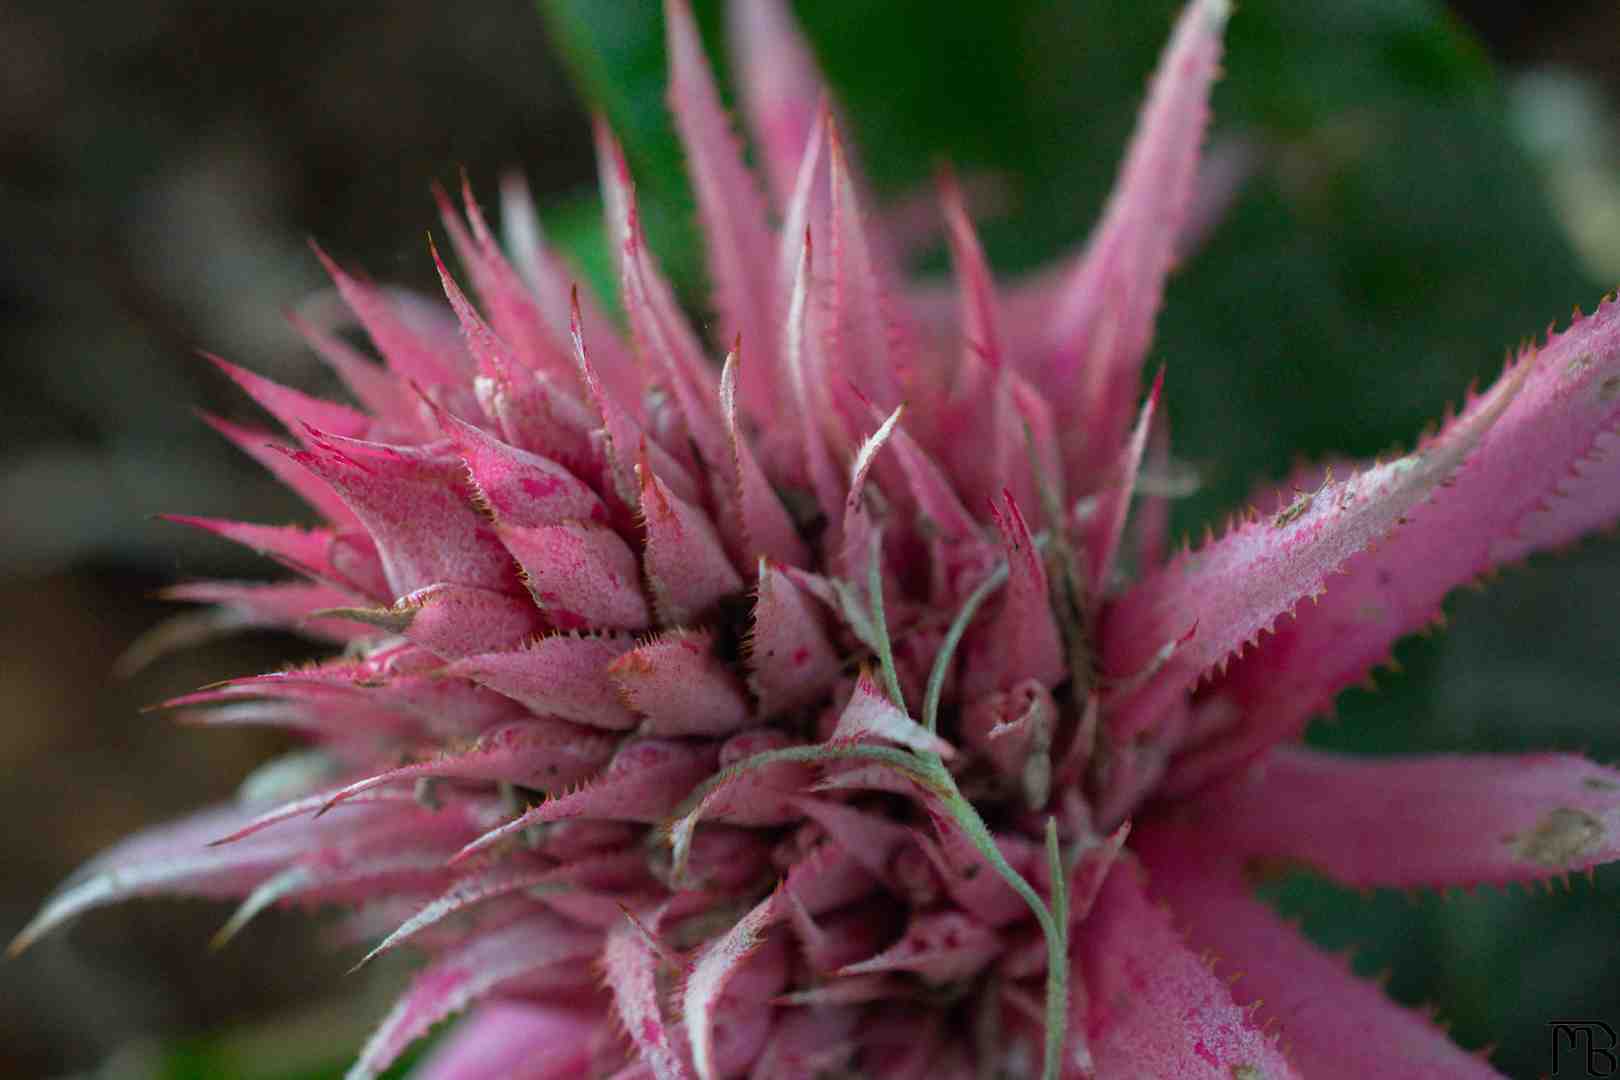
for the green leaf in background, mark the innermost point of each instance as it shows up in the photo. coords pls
(1392, 242)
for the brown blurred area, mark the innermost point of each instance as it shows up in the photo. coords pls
(161, 164)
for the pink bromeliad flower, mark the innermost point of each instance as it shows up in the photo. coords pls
(838, 710)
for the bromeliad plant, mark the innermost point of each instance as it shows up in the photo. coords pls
(864, 726)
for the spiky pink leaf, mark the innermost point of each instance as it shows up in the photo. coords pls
(718, 965)
(669, 346)
(458, 977)
(173, 858)
(762, 526)
(871, 715)
(289, 605)
(561, 674)
(1014, 729)
(781, 90)
(581, 575)
(1103, 541)
(403, 345)
(514, 1040)
(1335, 1025)
(413, 505)
(263, 448)
(625, 437)
(646, 779)
(1105, 315)
(681, 687)
(630, 962)
(294, 408)
(1433, 820)
(622, 868)
(1137, 973)
(863, 331)
(308, 805)
(941, 947)
(517, 486)
(870, 841)
(737, 241)
(791, 663)
(808, 1042)
(1234, 588)
(453, 621)
(537, 412)
(797, 358)
(1568, 407)
(542, 753)
(687, 566)
(1022, 641)
(383, 395)
(512, 308)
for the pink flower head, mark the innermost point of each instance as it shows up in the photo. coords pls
(798, 715)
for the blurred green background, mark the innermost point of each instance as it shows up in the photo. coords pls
(1427, 184)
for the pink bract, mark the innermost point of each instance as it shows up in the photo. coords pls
(793, 715)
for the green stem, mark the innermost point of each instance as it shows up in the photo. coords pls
(1053, 926)
(880, 625)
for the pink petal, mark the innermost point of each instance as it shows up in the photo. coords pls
(580, 575)
(1105, 316)
(1155, 1007)
(1335, 1025)
(562, 675)
(681, 687)
(304, 550)
(535, 412)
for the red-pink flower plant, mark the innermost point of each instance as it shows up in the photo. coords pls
(849, 744)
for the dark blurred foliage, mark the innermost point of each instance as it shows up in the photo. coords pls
(162, 163)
